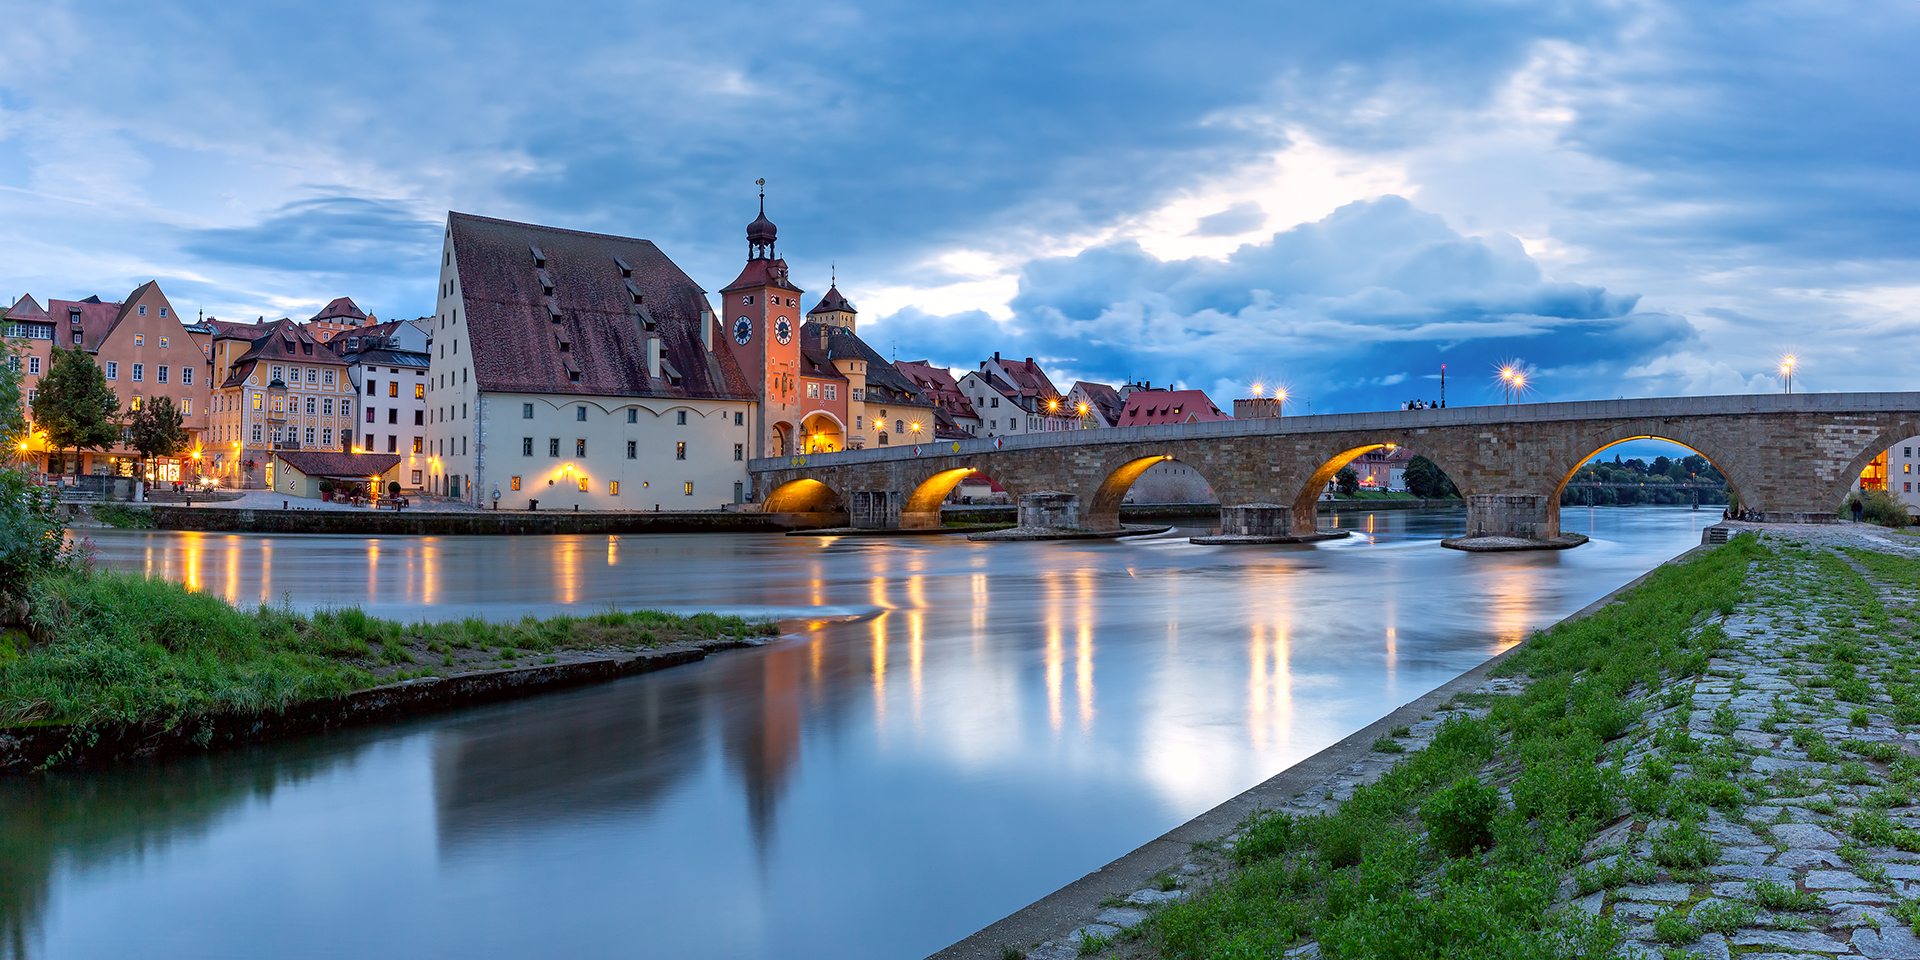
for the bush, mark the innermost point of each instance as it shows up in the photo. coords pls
(326, 486)
(1459, 817)
(32, 535)
(1877, 506)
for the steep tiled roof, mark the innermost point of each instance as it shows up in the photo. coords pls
(342, 308)
(96, 318)
(516, 346)
(832, 302)
(1169, 406)
(223, 329)
(885, 384)
(939, 386)
(352, 466)
(26, 309)
(763, 273)
(1104, 398)
(1028, 378)
(282, 340)
(815, 362)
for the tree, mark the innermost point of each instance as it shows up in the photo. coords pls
(13, 412)
(1426, 481)
(1348, 480)
(74, 405)
(156, 429)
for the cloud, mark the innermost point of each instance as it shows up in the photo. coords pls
(1347, 310)
(336, 235)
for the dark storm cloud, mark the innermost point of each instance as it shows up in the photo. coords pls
(333, 235)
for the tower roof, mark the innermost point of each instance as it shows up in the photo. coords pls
(762, 230)
(833, 301)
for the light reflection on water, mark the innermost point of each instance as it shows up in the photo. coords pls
(1001, 719)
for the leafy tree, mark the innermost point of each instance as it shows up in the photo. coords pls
(1660, 464)
(156, 429)
(74, 405)
(1425, 480)
(1347, 480)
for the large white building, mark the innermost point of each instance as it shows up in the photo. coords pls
(579, 370)
(387, 365)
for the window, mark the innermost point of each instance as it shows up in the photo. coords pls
(813, 391)
(859, 422)
(256, 405)
(33, 364)
(1906, 451)
(280, 374)
(186, 376)
(613, 487)
(139, 372)
(186, 407)
(579, 448)
(416, 478)
(313, 375)
(883, 438)
(417, 444)
(553, 447)
(463, 446)
(739, 418)
(326, 407)
(160, 374)
(393, 388)
(419, 418)
(996, 401)
(369, 414)
(373, 386)
(310, 433)
(832, 392)
(393, 442)
(256, 433)
(526, 411)
(163, 340)
(326, 438)
(633, 415)
(899, 426)
(310, 406)
(680, 450)
(680, 417)
(579, 413)
(135, 405)
(368, 446)
(633, 450)
(689, 488)
(136, 337)
(739, 451)
(583, 483)
(514, 484)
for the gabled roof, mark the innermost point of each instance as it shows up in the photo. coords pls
(234, 329)
(516, 345)
(96, 319)
(938, 384)
(833, 302)
(342, 308)
(26, 309)
(1104, 398)
(1028, 380)
(285, 341)
(885, 384)
(815, 362)
(763, 273)
(1169, 406)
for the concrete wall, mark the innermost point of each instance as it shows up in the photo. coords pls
(1791, 457)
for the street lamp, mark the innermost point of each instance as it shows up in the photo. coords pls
(1507, 375)
(1786, 367)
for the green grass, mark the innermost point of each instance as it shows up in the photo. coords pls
(1366, 881)
(120, 515)
(114, 647)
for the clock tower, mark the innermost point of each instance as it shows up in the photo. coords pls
(760, 314)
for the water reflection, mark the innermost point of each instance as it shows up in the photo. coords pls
(867, 788)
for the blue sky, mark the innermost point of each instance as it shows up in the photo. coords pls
(1630, 198)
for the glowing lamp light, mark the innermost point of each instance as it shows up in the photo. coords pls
(1257, 390)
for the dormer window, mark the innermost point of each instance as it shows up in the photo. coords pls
(566, 347)
(539, 259)
(553, 313)
(546, 282)
(573, 375)
(634, 293)
(75, 317)
(625, 270)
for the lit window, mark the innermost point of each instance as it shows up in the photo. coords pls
(418, 443)
(583, 484)
(163, 340)
(393, 388)
(680, 450)
(613, 487)
(136, 402)
(256, 405)
(419, 391)
(514, 483)
(813, 391)
(689, 489)
(579, 448)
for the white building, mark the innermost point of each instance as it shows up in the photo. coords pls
(387, 365)
(1013, 397)
(578, 370)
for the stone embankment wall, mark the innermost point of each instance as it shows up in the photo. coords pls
(28, 748)
(384, 523)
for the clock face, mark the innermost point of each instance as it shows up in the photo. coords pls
(783, 330)
(742, 330)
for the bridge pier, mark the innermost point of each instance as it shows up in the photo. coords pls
(1513, 521)
(1263, 523)
(1051, 509)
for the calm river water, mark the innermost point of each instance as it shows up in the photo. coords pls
(1003, 719)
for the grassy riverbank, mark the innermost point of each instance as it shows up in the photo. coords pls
(101, 647)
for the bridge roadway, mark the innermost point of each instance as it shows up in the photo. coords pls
(1789, 458)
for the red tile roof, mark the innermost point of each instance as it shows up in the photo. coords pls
(515, 345)
(833, 301)
(285, 341)
(96, 318)
(26, 309)
(1169, 406)
(938, 384)
(342, 308)
(1103, 397)
(763, 273)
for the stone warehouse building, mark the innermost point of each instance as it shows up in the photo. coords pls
(580, 370)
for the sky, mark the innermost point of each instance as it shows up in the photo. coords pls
(1625, 198)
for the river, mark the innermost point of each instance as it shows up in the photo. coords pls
(952, 731)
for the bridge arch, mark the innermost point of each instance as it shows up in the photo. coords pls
(1885, 440)
(1306, 498)
(1102, 512)
(803, 496)
(1732, 468)
(921, 510)
(822, 432)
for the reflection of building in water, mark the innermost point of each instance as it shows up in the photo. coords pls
(564, 758)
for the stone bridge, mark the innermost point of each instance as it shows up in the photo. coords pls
(1790, 458)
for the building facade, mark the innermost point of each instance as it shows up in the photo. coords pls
(573, 370)
(391, 384)
(1015, 397)
(280, 389)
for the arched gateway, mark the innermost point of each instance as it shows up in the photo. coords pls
(1791, 457)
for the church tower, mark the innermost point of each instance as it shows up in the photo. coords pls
(834, 310)
(760, 312)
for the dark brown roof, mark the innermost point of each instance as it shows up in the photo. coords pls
(815, 362)
(884, 383)
(342, 308)
(353, 466)
(282, 340)
(516, 346)
(1105, 398)
(832, 302)
(96, 318)
(1028, 378)
(938, 384)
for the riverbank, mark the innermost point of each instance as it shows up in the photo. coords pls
(1721, 761)
(112, 666)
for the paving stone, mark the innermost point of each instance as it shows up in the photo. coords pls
(1802, 859)
(1752, 856)
(1834, 880)
(1741, 871)
(1156, 896)
(1770, 765)
(1806, 835)
(1055, 951)
(1893, 941)
(1902, 871)
(1639, 911)
(1592, 902)
(1712, 945)
(1120, 916)
(1789, 939)
(1668, 892)
(1730, 833)
(1092, 930)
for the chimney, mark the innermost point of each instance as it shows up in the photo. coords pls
(824, 335)
(996, 354)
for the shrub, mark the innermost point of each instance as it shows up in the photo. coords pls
(1878, 506)
(1684, 846)
(1770, 895)
(1723, 917)
(1459, 817)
